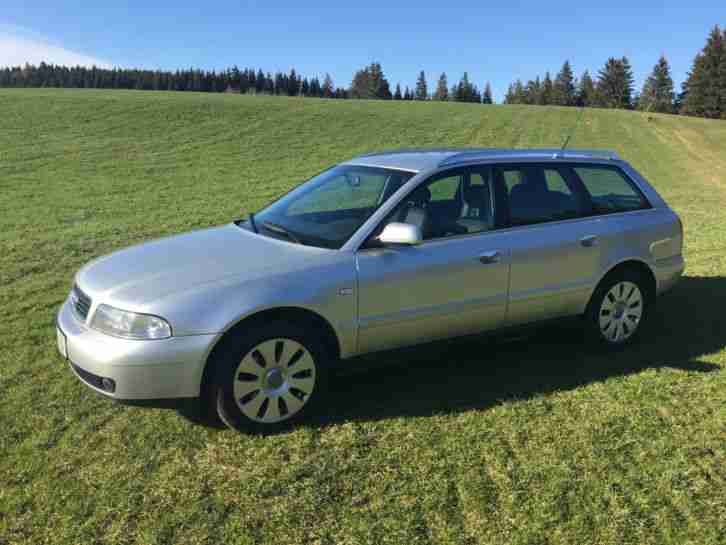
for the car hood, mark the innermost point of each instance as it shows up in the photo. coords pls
(142, 274)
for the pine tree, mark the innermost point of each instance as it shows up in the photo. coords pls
(563, 93)
(705, 88)
(442, 88)
(657, 94)
(422, 92)
(487, 96)
(615, 84)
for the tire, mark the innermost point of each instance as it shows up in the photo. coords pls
(618, 310)
(270, 378)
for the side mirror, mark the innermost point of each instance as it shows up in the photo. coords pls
(401, 233)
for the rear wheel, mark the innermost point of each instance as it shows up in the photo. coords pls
(618, 309)
(270, 378)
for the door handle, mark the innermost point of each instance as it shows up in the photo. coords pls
(589, 241)
(490, 257)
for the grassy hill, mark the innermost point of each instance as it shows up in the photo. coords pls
(538, 441)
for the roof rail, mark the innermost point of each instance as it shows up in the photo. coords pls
(588, 153)
(423, 150)
(544, 153)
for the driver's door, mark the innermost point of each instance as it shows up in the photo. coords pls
(450, 285)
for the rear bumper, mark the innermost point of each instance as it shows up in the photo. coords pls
(159, 369)
(668, 272)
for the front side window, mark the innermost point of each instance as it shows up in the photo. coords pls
(326, 210)
(609, 190)
(449, 204)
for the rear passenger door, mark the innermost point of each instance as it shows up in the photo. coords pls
(556, 242)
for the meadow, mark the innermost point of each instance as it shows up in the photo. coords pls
(483, 440)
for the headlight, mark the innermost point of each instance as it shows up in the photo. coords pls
(129, 325)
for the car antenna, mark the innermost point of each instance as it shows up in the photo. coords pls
(574, 128)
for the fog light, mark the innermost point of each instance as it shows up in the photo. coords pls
(108, 384)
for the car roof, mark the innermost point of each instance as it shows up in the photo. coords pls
(418, 160)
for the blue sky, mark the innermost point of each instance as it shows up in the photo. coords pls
(495, 41)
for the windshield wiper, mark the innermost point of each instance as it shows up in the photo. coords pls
(275, 228)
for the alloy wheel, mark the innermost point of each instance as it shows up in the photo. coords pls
(621, 311)
(274, 380)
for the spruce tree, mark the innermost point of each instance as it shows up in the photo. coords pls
(327, 90)
(380, 86)
(422, 92)
(563, 93)
(509, 97)
(361, 85)
(370, 82)
(397, 95)
(442, 88)
(487, 96)
(465, 91)
(533, 92)
(615, 84)
(547, 90)
(519, 92)
(705, 88)
(585, 95)
(657, 94)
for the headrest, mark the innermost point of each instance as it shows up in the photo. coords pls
(420, 196)
(476, 194)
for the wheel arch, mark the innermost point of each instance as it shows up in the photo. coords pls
(632, 264)
(298, 315)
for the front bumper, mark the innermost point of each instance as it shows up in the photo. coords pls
(158, 369)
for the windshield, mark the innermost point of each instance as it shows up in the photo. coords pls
(326, 210)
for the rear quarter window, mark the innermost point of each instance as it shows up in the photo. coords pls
(610, 190)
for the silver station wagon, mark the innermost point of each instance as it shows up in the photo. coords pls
(384, 251)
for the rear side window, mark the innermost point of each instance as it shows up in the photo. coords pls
(538, 195)
(610, 191)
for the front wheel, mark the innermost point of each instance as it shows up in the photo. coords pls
(618, 309)
(270, 379)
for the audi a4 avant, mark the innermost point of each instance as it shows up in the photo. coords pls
(380, 252)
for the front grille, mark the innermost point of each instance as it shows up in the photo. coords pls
(80, 302)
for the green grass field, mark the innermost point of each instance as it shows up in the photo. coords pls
(531, 442)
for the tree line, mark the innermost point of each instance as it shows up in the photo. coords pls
(246, 81)
(703, 93)
(368, 83)
(371, 83)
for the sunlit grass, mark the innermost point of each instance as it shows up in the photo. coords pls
(479, 441)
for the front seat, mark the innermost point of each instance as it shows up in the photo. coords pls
(476, 214)
(415, 212)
